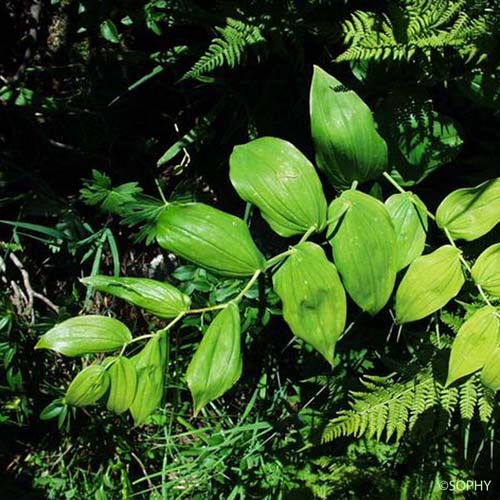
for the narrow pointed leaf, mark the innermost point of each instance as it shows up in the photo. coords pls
(347, 144)
(276, 177)
(430, 282)
(314, 301)
(470, 213)
(88, 386)
(217, 363)
(161, 299)
(123, 380)
(364, 248)
(210, 238)
(486, 270)
(150, 367)
(474, 343)
(85, 335)
(490, 374)
(410, 223)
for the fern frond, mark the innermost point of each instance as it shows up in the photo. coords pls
(468, 398)
(422, 27)
(389, 406)
(485, 404)
(227, 49)
(395, 408)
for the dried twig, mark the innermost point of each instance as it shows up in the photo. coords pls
(30, 293)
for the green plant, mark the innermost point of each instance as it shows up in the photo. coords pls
(371, 242)
(419, 28)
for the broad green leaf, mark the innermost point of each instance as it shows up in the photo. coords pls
(276, 177)
(364, 248)
(314, 301)
(482, 87)
(216, 364)
(123, 380)
(88, 386)
(490, 374)
(347, 144)
(150, 367)
(409, 217)
(85, 335)
(161, 299)
(470, 213)
(420, 140)
(109, 31)
(474, 343)
(486, 270)
(430, 282)
(210, 238)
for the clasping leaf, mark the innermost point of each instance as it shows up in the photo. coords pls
(363, 240)
(210, 238)
(85, 335)
(347, 144)
(314, 301)
(276, 177)
(161, 299)
(474, 344)
(88, 386)
(470, 213)
(217, 363)
(150, 367)
(430, 282)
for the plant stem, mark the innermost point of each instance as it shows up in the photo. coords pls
(206, 309)
(172, 323)
(467, 266)
(308, 233)
(277, 258)
(247, 287)
(160, 190)
(158, 332)
(403, 191)
(394, 183)
(136, 339)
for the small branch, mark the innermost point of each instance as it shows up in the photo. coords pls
(308, 233)
(253, 279)
(278, 258)
(394, 183)
(26, 280)
(403, 191)
(206, 309)
(172, 323)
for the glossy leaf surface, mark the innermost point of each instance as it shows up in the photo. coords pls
(161, 299)
(474, 343)
(363, 240)
(430, 282)
(85, 335)
(123, 385)
(276, 177)
(486, 270)
(347, 144)
(216, 364)
(490, 374)
(150, 367)
(410, 223)
(470, 213)
(210, 238)
(314, 301)
(88, 386)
